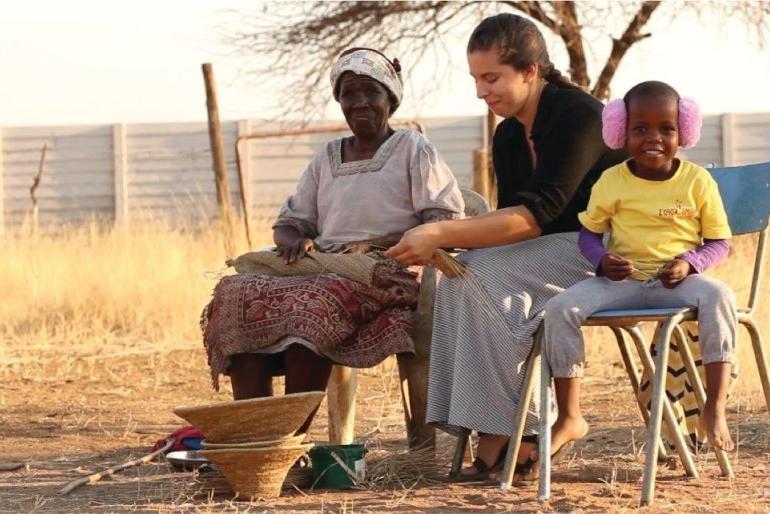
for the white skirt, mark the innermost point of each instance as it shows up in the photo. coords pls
(483, 331)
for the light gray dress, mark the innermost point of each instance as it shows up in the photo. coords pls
(404, 184)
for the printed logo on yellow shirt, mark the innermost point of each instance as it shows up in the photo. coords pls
(679, 211)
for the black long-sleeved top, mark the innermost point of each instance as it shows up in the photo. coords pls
(567, 136)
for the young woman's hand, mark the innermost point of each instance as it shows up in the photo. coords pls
(674, 272)
(615, 267)
(295, 251)
(417, 245)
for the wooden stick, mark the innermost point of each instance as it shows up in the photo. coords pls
(33, 188)
(218, 160)
(90, 479)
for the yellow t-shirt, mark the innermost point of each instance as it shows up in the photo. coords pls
(651, 222)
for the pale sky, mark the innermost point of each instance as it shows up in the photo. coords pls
(95, 62)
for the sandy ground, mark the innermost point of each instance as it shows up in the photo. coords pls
(68, 412)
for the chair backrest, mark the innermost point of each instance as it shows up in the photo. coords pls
(475, 204)
(745, 193)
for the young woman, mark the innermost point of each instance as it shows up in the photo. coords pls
(360, 191)
(547, 154)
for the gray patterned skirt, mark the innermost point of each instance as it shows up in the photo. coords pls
(483, 327)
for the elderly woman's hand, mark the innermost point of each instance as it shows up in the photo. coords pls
(417, 245)
(295, 251)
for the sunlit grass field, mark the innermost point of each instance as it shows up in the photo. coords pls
(90, 288)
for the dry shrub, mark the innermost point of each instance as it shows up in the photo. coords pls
(146, 284)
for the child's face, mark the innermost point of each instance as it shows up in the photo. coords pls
(653, 135)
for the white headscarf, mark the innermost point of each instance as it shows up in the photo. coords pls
(372, 64)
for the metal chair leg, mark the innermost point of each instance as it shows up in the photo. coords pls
(533, 362)
(759, 355)
(668, 411)
(544, 437)
(662, 339)
(700, 394)
(633, 376)
(462, 444)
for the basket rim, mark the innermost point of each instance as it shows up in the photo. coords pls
(265, 443)
(233, 403)
(256, 450)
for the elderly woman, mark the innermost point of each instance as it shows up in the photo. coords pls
(359, 192)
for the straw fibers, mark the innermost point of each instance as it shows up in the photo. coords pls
(256, 472)
(357, 267)
(284, 441)
(447, 264)
(256, 419)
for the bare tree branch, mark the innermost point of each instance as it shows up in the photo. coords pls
(631, 35)
(569, 31)
(298, 46)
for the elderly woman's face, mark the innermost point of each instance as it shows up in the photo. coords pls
(365, 104)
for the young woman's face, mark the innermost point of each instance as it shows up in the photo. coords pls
(365, 104)
(504, 89)
(653, 134)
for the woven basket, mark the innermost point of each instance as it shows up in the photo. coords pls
(256, 472)
(257, 419)
(284, 441)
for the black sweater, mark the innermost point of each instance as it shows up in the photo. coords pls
(567, 136)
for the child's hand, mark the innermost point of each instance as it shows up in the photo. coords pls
(674, 272)
(615, 268)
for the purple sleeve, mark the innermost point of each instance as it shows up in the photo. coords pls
(592, 247)
(710, 253)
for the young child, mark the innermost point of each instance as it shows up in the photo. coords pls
(666, 225)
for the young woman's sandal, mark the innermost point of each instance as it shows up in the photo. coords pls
(483, 471)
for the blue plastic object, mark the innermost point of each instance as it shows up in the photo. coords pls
(745, 192)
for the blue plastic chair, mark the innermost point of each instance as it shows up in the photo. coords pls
(745, 192)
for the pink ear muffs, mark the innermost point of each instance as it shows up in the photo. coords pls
(615, 119)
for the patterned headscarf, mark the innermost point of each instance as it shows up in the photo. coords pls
(371, 63)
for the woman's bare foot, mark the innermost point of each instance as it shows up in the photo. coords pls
(567, 429)
(714, 423)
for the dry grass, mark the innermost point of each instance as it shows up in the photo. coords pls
(93, 285)
(144, 288)
(99, 340)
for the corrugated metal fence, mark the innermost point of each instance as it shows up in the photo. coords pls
(145, 171)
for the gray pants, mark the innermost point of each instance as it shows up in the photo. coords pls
(565, 313)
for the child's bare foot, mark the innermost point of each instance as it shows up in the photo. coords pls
(714, 423)
(567, 429)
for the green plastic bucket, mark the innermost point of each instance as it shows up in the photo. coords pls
(327, 472)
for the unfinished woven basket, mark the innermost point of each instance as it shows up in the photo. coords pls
(256, 419)
(256, 472)
(284, 441)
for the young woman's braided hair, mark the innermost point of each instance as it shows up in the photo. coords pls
(520, 44)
